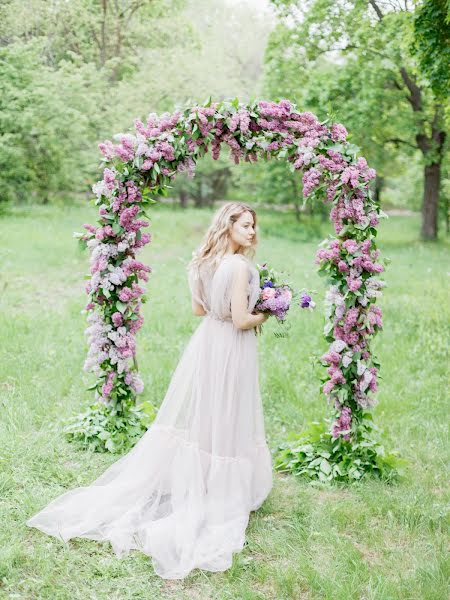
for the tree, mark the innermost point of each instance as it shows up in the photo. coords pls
(371, 49)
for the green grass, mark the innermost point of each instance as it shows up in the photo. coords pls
(371, 541)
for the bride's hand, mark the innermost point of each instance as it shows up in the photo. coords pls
(264, 315)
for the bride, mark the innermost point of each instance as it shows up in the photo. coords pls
(183, 493)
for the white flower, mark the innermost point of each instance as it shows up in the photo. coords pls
(130, 236)
(100, 189)
(142, 149)
(106, 285)
(121, 365)
(334, 296)
(338, 346)
(339, 312)
(92, 243)
(95, 280)
(366, 379)
(347, 359)
(361, 367)
(126, 136)
(117, 276)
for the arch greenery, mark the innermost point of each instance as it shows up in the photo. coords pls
(138, 168)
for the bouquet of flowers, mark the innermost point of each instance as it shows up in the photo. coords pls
(276, 295)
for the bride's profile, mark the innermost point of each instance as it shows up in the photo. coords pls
(183, 494)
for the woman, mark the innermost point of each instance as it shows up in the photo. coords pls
(183, 494)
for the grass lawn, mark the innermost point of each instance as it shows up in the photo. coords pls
(370, 541)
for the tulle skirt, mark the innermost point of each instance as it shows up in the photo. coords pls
(183, 493)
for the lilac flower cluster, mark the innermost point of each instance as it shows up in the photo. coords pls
(343, 424)
(275, 300)
(352, 266)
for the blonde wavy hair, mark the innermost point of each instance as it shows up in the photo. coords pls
(215, 241)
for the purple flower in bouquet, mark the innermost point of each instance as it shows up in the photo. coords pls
(306, 301)
(276, 296)
(275, 300)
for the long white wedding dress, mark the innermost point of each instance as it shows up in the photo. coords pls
(183, 493)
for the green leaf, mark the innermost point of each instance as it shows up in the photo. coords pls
(121, 306)
(325, 467)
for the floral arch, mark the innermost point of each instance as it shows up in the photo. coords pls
(141, 165)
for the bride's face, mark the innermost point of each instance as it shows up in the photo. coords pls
(243, 232)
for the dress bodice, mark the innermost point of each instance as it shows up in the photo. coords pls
(211, 287)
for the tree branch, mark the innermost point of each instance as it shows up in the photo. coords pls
(398, 141)
(377, 9)
(415, 97)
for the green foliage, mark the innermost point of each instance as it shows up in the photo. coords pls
(72, 73)
(102, 428)
(48, 124)
(315, 454)
(431, 44)
(211, 181)
(346, 59)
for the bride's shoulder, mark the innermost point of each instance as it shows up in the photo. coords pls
(237, 257)
(231, 260)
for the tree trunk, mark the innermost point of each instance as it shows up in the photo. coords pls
(296, 201)
(103, 33)
(430, 204)
(297, 210)
(198, 199)
(379, 184)
(447, 214)
(183, 199)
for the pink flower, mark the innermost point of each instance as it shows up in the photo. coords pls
(117, 319)
(353, 284)
(108, 385)
(109, 177)
(90, 228)
(350, 175)
(311, 179)
(267, 293)
(328, 386)
(351, 246)
(125, 294)
(338, 133)
(331, 358)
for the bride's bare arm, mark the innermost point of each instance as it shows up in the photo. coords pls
(197, 309)
(242, 319)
